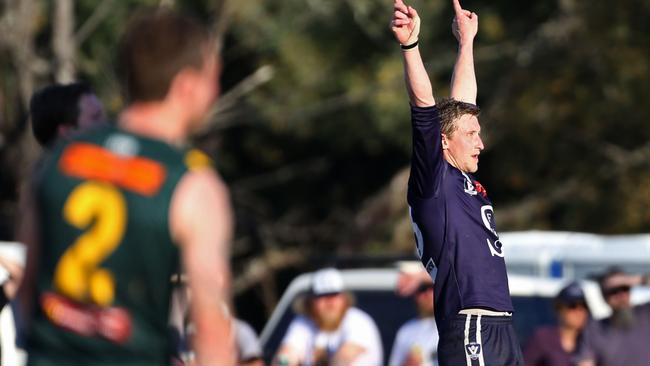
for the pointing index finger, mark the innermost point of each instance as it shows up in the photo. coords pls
(457, 8)
(399, 5)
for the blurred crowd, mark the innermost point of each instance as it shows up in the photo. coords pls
(579, 340)
(328, 329)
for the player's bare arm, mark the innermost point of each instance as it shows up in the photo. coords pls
(406, 28)
(201, 222)
(464, 27)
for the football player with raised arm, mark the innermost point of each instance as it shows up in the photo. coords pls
(452, 216)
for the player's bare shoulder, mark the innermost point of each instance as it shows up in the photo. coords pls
(201, 198)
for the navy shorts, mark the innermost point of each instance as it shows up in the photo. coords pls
(475, 340)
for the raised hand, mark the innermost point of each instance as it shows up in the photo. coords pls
(463, 80)
(465, 24)
(406, 27)
(405, 23)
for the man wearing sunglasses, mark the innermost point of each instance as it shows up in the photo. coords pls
(622, 338)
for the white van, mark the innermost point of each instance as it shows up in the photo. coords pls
(373, 289)
(565, 254)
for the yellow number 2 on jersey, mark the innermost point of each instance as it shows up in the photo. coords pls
(100, 210)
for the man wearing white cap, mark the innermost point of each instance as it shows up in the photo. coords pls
(331, 331)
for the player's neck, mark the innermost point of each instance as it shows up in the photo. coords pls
(451, 160)
(156, 120)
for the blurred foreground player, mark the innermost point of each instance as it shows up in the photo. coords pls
(114, 209)
(452, 216)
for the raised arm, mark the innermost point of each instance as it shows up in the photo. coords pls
(463, 81)
(201, 222)
(406, 28)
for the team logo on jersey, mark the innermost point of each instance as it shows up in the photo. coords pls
(469, 185)
(432, 269)
(473, 350)
(496, 247)
(419, 241)
(122, 145)
(487, 214)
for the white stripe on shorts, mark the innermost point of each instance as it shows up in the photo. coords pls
(466, 342)
(481, 360)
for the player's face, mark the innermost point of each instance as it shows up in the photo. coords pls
(329, 310)
(91, 112)
(206, 89)
(465, 145)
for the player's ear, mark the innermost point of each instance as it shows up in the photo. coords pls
(445, 143)
(182, 84)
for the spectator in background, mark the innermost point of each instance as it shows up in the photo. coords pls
(61, 110)
(622, 338)
(248, 345)
(554, 345)
(331, 330)
(416, 342)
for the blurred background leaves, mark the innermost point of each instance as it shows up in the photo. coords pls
(312, 131)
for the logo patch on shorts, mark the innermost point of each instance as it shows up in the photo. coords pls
(473, 350)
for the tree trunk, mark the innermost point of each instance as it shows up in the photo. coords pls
(63, 40)
(17, 31)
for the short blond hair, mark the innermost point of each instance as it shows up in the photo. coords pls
(451, 110)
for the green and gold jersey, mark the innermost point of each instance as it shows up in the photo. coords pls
(106, 255)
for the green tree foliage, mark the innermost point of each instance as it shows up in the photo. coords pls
(314, 122)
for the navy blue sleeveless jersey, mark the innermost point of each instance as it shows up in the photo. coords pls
(454, 227)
